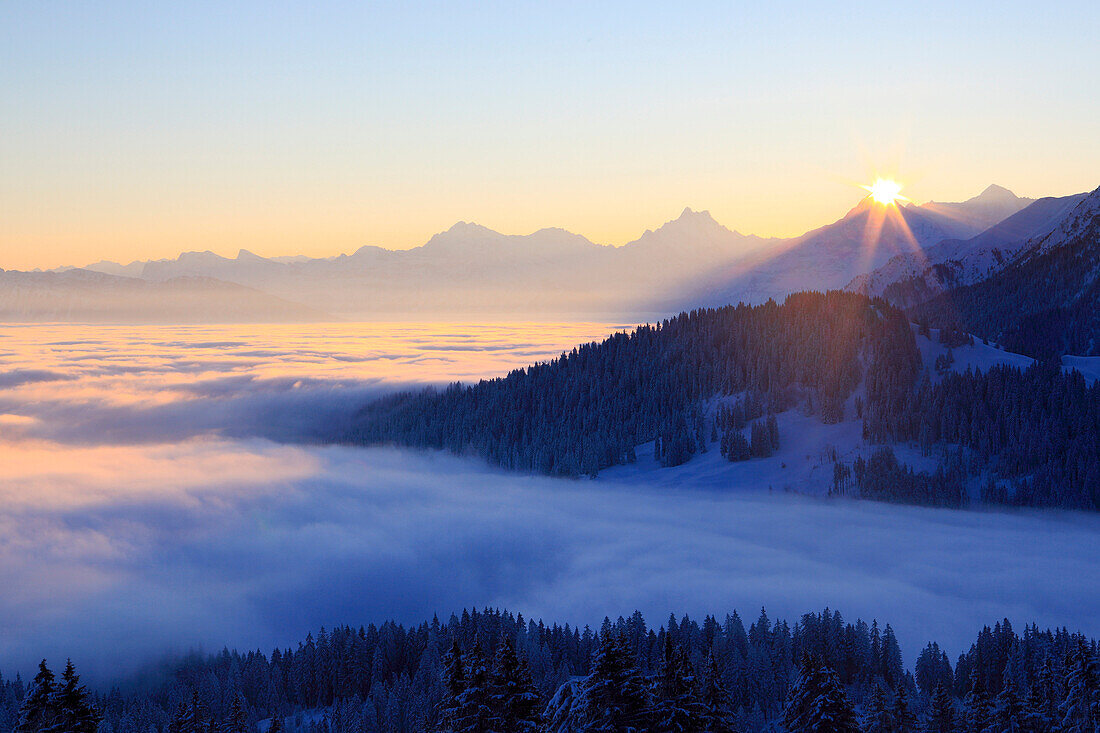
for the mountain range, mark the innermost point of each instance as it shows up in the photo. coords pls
(81, 295)
(865, 238)
(913, 277)
(908, 253)
(472, 269)
(1043, 302)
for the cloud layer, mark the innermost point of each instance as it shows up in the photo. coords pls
(249, 543)
(144, 509)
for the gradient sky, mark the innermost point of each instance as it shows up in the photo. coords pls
(137, 130)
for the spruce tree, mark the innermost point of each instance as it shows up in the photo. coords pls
(676, 708)
(1080, 709)
(978, 713)
(772, 428)
(716, 701)
(1008, 710)
(616, 699)
(455, 685)
(77, 715)
(817, 703)
(38, 712)
(473, 713)
(514, 701)
(893, 669)
(735, 447)
(941, 712)
(904, 719)
(236, 721)
(1034, 710)
(194, 716)
(175, 725)
(879, 717)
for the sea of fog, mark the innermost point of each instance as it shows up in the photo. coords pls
(163, 489)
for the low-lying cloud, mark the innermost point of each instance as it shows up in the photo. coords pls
(163, 508)
(19, 377)
(251, 544)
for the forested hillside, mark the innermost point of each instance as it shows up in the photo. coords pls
(1032, 437)
(1046, 303)
(1009, 436)
(591, 407)
(495, 671)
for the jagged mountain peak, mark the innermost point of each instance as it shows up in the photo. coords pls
(461, 235)
(991, 194)
(469, 228)
(994, 192)
(1045, 302)
(868, 203)
(691, 214)
(688, 222)
(246, 256)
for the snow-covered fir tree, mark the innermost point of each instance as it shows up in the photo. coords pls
(616, 694)
(514, 701)
(817, 703)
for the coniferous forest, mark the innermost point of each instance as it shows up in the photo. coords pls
(1044, 304)
(591, 407)
(496, 671)
(1024, 437)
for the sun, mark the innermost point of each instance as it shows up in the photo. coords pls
(885, 191)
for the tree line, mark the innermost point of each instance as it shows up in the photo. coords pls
(1030, 437)
(491, 670)
(716, 378)
(590, 408)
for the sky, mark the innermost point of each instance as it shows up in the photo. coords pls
(139, 130)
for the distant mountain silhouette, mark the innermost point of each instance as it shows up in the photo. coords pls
(691, 260)
(472, 269)
(85, 296)
(987, 208)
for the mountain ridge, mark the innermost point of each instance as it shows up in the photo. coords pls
(1046, 301)
(81, 295)
(910, 278)
(865, 238)
(690, 260)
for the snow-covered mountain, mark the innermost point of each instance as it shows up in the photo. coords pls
(1046, 301)
(992, 205)
(689, 261)
(866, 238)
(913, 277)
(470, 268)
(84, 296)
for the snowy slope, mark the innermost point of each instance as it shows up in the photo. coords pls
(907, 277)
(1089, 366)
(1046, 301)
(808, 448)
(863, 240)
(976, 357)
(803, 463)
(1080, 220)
